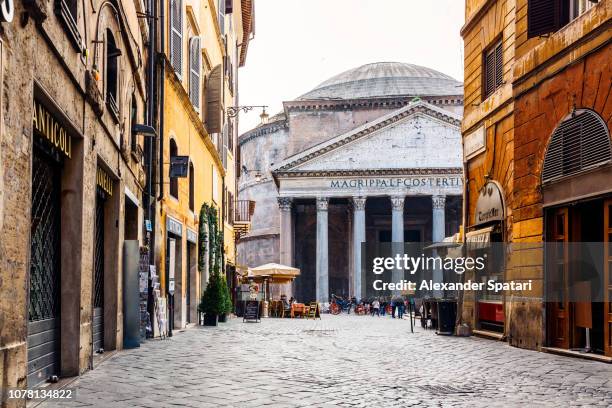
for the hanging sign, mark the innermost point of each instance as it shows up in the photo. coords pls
(490, 204)
(51, 130)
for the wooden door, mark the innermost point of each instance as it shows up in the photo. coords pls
(608, 277)
(557, 263)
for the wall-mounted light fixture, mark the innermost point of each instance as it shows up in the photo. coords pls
(258, 175)
(233, 111)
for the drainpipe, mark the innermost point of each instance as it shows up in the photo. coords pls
(466, 201)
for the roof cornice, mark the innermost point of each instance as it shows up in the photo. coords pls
(263, 130)
(370, 172)
(384, 102)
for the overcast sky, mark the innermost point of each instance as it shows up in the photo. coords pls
(300, 43)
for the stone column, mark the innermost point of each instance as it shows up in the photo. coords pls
(397, 233)
(359, 236)
(286, 231)
(438, 232)
(322, 251)
(438, 222)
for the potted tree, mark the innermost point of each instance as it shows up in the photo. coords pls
(227, 301)
(213, 301)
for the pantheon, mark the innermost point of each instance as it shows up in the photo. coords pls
(371, 155)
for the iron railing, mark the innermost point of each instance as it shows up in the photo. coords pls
(243, 211)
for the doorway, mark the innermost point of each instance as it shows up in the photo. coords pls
(574, 319)
(45, 269)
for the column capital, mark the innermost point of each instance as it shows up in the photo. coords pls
(397, 203)
(359, 203)
(284, 203)
(438, 201)
(322, 203)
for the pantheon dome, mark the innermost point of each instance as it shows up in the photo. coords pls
(381, 137)
(385, 79)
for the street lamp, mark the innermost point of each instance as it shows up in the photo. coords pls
(233, 111)
(258, 175)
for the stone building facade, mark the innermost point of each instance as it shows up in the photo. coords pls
(521, 137)
(370, 155)
(71, 181)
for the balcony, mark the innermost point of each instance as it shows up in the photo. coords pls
(243, 213)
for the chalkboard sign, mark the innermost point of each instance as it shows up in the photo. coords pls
(251, 311)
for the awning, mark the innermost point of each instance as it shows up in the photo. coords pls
(478, 239)
(275, 272)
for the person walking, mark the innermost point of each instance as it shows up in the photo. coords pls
(375, 308)
(401, 306)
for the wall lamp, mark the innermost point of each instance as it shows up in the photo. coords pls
(145, 130)
(233, 111)
(258, 175)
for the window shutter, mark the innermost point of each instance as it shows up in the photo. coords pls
(214, 94)
(499, 65)
(195, 59)
(176, 36)
(229, 6)
(543, 17)
(579, 143)
(493, 69)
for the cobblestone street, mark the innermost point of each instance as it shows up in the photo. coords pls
(337, 361)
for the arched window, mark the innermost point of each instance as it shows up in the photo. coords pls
(195, 58)
(173, 180)
(176, 36)
(133, 121)
(191, 187)
(112, 71)
(580, 142)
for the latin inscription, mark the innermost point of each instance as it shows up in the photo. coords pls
(397, 182)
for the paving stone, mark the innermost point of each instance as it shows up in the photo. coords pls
(340, 361)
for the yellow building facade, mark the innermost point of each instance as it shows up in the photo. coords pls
(205, 43)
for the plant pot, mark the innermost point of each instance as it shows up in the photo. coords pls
(223, 318)
(210, 319)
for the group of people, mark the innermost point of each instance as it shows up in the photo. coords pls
(376, 306)
(380, 306)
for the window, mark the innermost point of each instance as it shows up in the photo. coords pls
(66, 10)
(547, 16)
(112, 71)
(580, 142)
(133, 121)
(173, 180)
(230, 135)
(578, 7)
(195, 62)
(493, 69)
(176, 36)
(191, 187)
(221, 4)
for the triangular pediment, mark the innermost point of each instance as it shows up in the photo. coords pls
(417, 136)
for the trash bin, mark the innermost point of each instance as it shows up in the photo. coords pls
(447, 315)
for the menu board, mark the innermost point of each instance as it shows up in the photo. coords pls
(251, 311)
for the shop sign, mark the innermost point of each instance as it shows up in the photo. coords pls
(105, 182)
(173, 226)
(192, 236)
(474, 143)
(51, 130)
(490, 204)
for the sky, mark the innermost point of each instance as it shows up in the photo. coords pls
(300, 43)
